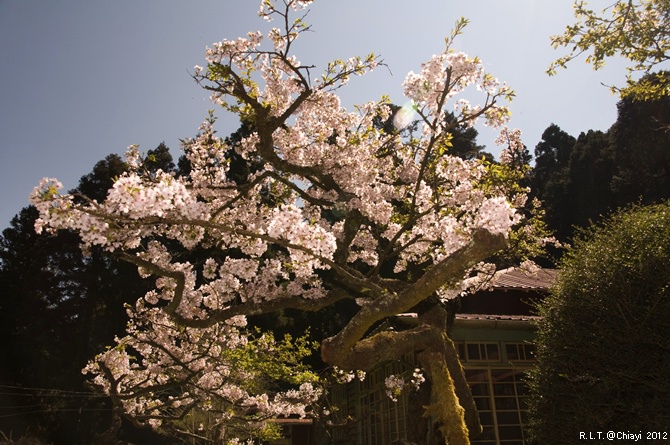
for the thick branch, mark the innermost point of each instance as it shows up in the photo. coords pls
(352, 224)
(437, 354)
(389, 345)
(461, 387)
(445, 408)
(335, 350)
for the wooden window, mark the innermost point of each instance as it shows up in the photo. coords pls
(500, 396)
(481, 352)
(520, 352)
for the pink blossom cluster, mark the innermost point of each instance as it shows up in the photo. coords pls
(268, 8)
(134, 198)
(394, 386)
(158, 352)
(288, 223)
(514, 146)
(59, 212)
(446, 75)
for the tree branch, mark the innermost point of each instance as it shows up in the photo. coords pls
(335, 350)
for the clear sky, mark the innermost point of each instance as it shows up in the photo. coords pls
(80, 79)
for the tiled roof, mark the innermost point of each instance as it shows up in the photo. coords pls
(488, 321)
(514, 278)
(496, 317)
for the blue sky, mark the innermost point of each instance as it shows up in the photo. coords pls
(81, 79)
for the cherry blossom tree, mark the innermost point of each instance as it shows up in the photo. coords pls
(338, 209)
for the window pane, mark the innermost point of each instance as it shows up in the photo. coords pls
(509, 432)
(489, 433)
(492, 352)
(503, 389)
(461, 351)
(480, 389)
(476, 376)
(508, 417)
(486, 418)
(503, 376)
(473, 352)
(506, 403)
(483, 403)
(512, 352)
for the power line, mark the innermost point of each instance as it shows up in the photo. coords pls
(63, 395)
(24, 391)
(60, 410)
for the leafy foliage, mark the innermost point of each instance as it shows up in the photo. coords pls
(636, 30)
(602, 346)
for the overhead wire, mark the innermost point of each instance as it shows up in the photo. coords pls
(8, 391)
(60, 410)
(49, 392)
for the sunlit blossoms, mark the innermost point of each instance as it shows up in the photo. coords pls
(313, 205)
(514, 147)
(213, 367)
(395, 384)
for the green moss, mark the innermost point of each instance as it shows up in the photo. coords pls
(445, 408)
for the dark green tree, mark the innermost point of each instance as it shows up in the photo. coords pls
(38, 314)
(572, 178)
(464, 141)
(591, 168)
(584, 179)
(602, 347)
(641, 150)
(58, 308)
(551, 177)
(159, 158)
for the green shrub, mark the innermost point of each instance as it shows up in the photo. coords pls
(603, 344)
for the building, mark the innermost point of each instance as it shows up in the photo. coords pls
(493, 333)
(294, 432)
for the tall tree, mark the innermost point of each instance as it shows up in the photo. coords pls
(338, 210)
(551, 178)
(464, 140)
(39, 305)
(591, 168)
(636, 30)
(640, 141)
(58, 307)
(584, 179)
(573, 179)
(602, 345)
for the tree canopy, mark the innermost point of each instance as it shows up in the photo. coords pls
(602, 344)
(584, 179)
(636, 30)
(331, 208)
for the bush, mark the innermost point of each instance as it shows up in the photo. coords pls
(603, 344)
